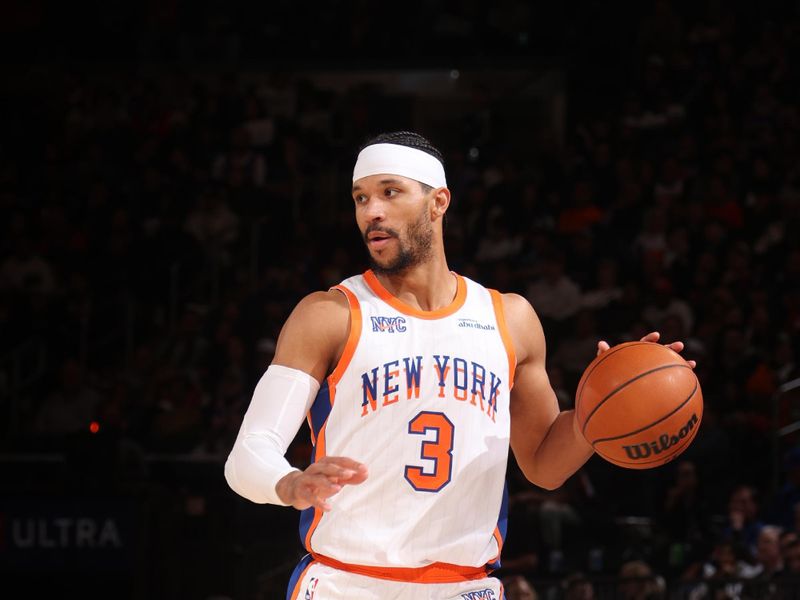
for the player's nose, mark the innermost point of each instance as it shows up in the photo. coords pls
(376, 209)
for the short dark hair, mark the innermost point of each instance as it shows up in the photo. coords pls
(410, 139)
(405, 138)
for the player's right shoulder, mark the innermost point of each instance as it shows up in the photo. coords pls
(320, 305)
(320, 315)
(315, 333)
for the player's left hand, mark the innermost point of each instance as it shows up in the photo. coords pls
(653, 336)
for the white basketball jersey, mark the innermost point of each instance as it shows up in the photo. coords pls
(421, 398)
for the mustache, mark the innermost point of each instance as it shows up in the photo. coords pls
(372, 228)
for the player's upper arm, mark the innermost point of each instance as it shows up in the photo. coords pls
(534, 406)
(314, 335)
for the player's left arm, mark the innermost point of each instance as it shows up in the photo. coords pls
(546, 441)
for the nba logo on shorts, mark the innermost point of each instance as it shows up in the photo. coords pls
(312, 585)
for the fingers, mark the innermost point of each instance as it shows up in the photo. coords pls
(343, 462)
(333, 472)
(676, 346)
(359, 476)
(313, 490)
(319, 485)
(653, 337)
(342, 469)
(323, 479)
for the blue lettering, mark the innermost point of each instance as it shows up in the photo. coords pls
(460, 378)
(495, 391)
(370, 388)
(388, 324)
(387, 377)
(478, 380)
(441, 367)
(413, 371)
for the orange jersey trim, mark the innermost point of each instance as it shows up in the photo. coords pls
(333, 379)
(311, 430)
(352, 339)
(381, 292)
(499, 539)
(505, 335)
(434, 573)
(349, 349)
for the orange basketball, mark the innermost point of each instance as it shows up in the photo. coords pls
(639, 405)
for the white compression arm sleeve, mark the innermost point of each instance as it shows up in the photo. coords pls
(280, 402)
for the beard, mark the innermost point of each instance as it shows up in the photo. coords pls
(414, 247)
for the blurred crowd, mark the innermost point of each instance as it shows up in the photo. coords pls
(160, 226)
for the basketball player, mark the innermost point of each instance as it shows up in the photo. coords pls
(414, 381)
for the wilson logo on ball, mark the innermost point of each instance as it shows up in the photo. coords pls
(664, 441)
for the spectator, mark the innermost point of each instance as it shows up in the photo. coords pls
(724, 574)
(583, 214)
(639, 582)
(788, 578)
(788, 496)
(187, 350)
(71, 407)
(214, 225)
(664, 303)
(768, 556)
(554, 295)
(744, 518)
(685, 514)
(241, 157)
(565, 521)
(25, 272)
(259, 126)
(606, 289)
(577, 349)
(498, 243)
(517, 587)
(577, 587)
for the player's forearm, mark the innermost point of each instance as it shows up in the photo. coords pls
(255, 467)
(285, 488)
(280, 403)
(562, 452)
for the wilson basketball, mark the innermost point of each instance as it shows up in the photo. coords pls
(639, 405)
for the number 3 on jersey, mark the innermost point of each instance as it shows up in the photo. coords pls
(439, 450)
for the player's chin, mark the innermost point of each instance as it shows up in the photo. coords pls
(383, 261)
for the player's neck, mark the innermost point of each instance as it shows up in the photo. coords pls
(429, 286)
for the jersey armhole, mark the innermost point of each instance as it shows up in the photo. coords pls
(499, 314)
(352, 338)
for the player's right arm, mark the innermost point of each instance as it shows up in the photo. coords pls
(310, 344)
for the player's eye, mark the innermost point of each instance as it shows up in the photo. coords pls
(360, 198)
(390, 192)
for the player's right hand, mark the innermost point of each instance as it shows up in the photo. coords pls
(320, 481)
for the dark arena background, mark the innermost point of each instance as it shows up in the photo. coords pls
(174, 177)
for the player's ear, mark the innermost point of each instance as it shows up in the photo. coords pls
(441, 201)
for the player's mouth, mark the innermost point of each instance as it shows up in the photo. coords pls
(377, 240)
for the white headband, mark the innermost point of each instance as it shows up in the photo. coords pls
(393, 159)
